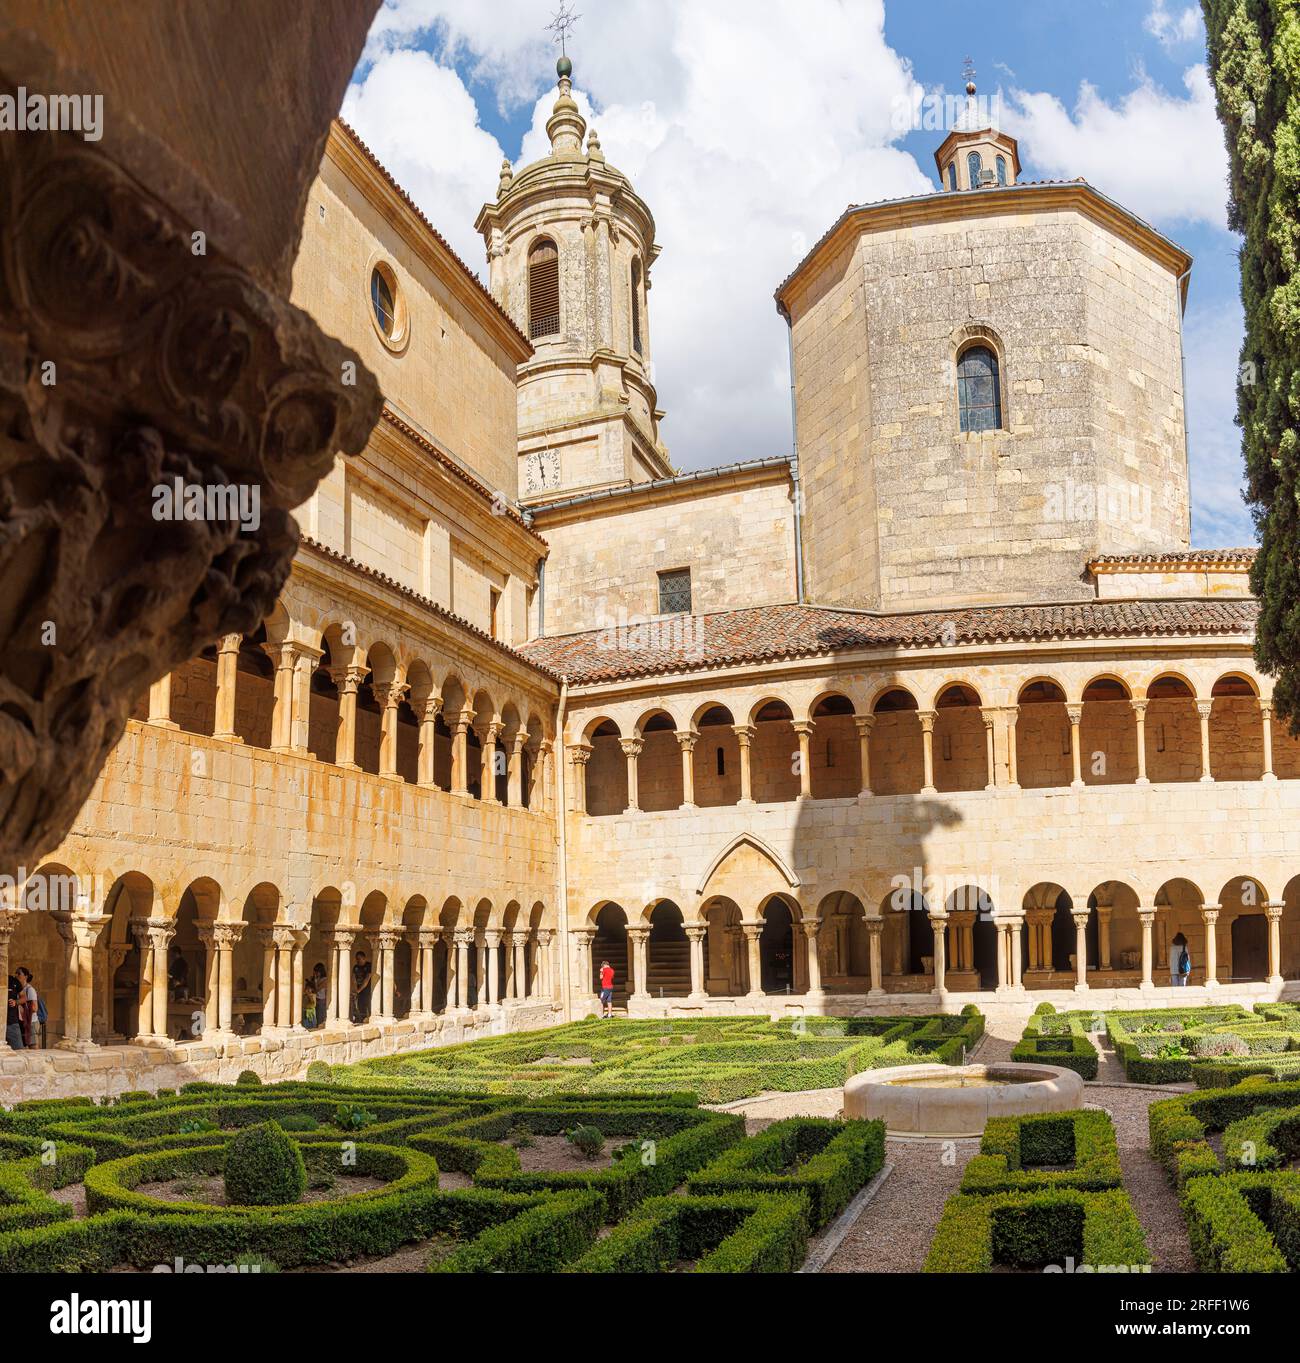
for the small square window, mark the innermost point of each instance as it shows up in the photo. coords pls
(675, 592)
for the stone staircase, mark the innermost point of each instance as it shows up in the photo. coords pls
(669, 970)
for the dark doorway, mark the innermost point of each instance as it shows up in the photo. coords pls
(776, 949)
(1250, 947)
(985, 938)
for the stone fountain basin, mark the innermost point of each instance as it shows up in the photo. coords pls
(909, 1106)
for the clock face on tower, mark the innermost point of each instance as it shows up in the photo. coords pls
(542, 471)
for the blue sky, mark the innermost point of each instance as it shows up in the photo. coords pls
(748, 125)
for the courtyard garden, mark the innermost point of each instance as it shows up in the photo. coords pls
(714, 1145)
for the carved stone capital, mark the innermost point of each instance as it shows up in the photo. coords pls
(180, 383)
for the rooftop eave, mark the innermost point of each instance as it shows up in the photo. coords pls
(950, 205)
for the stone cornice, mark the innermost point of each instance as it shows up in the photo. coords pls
(946, 206)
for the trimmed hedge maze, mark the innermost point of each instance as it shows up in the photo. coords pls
(678, 1186)
(1213, 1047)
(1044, 1192)
(1242, 1206)
(718, 1060)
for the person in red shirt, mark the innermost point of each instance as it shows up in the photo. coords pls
(606, 989)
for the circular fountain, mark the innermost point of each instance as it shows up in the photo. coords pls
(950, 1100)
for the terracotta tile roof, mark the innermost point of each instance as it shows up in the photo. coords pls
(433, 608)
(442, 241)
(1181, 557)
(769, 633)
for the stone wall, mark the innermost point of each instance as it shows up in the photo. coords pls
(603, 564)
(1086, 329)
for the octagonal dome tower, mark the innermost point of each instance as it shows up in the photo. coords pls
(570, 245)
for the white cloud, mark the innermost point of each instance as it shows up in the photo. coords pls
(1172, 30)
(748, 136)
(1212, 340)
(747, 125)
(1160, 155)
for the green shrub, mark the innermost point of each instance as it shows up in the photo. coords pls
(264, 1168)
(589, 1141)
(298, 1121)
(1044, 1008)
(1011, 1147)
(249, 1078)
(353, 1117)
(1244, 1223)
(318, 1072)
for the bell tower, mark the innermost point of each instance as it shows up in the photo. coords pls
(570, 247)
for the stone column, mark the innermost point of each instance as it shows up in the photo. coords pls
(543, 797)
(300, 938)
(428, 741)
(1266, 717)
(288, 1010)
(926, 718)
(1203, 708)
(1147, 917)
(79, 935)
(515, 770)
(464, 939)
(803, 729)
(744, 735)
(1210, 917)
(219, 942)
(990, 760)
(508, 960)
(1016, 972)
(579, 756)
(696, 933)
(1003, 930)
(1273, 912)
(1104, 912)
(415, 976)
(160, 704)
(810, 927)
(460, 752)
(152, 936)
(961, 927)
(864, 725)
(9, 920)
(1140, 718)
(266, 935)
(631, 750)
(686, 740)
(1074, 713)
(339, 940)
(1013, 773)
(938, 922)
(227, 683)
(875, 931)
(453, 983)
(637, 937)
(387, 939)
(487, 780)
(582, 939)
(486, 944)
(521, 965)
(389, 698)
(348, 680)
(545, 938)
(754, 960)
(1080, 949)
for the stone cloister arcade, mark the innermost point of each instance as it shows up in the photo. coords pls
(119, 959)
(1049, 937)
(910, 737)
(346, 694)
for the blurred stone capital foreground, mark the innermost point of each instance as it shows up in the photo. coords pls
(145, 336)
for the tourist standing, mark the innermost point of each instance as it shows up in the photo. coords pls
(321, 983)
(1180, 963)
(28, 1007)
(361, 982)
(13, 1028)
(606, 989)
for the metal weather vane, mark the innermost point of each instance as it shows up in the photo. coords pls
(561, 25)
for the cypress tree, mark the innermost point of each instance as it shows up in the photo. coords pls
(1254, 59)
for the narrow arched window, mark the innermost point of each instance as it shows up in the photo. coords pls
(979, 390)
(543, 289)
(636, 306)
(974, 166)
(952, 174)
(1002, 170)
